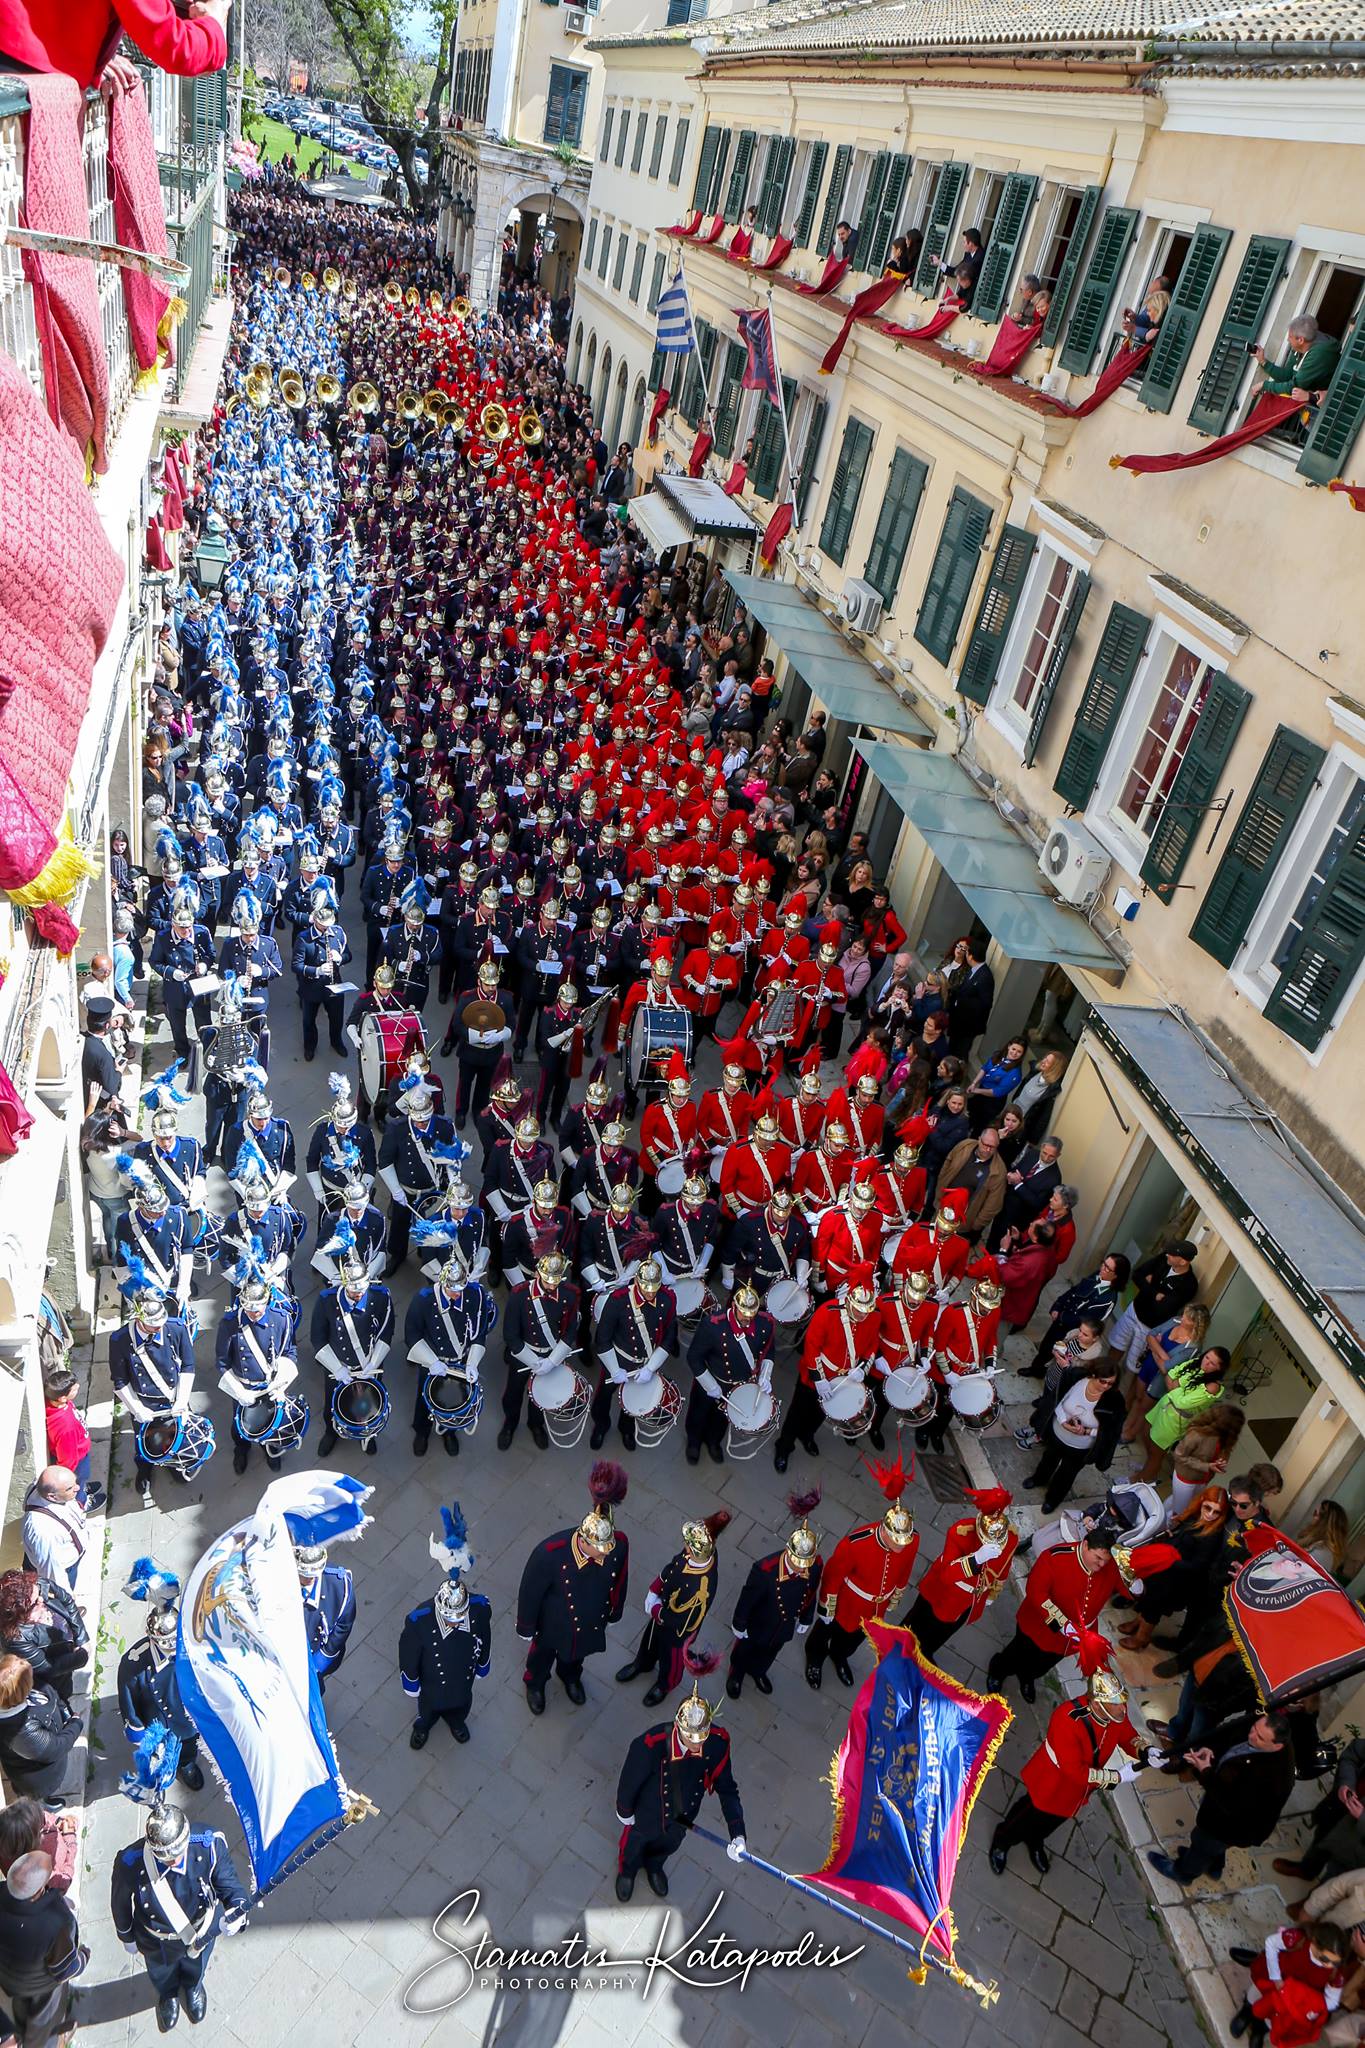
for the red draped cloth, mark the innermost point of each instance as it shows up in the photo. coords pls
(1355, 492)
(65, 295)
(869, 301)
(139, 219)
(777, 255)
(656, 413)
(15, 1120)
(774, 533)
(716, 229)
(701, 448)
(938, 324)
(741, 242)
(155, 552)
(685, 234)
(735, 482)
(1009, 348)
(1266, 414)
(830, 276)
(1117, 372)
(173, 475)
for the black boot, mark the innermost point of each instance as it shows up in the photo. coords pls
(419, 1444)
(239, 1458)
(327, 1442)
(629, 1671)
(452, 1443)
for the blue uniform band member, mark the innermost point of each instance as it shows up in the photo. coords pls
(447, 1641)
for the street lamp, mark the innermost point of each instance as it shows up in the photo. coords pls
(210, 561)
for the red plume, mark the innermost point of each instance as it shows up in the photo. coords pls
(1093, 1652)
(990, 1500)
(700, 1660)
(800, 1504)
(608, 1482)
(892, 1479)
(713, 1524)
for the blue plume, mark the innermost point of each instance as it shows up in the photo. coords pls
(163, 1085)
(156, 1759)
(451, 1548)
(151, 1581)
(126, 1164)
(139, 1279)
(256, 1075)
(452, 1153)
(343, 1238)
(433, 1230)
(251, 1163)
(349, 1155)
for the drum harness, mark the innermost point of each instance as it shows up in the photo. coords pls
(153, 1373)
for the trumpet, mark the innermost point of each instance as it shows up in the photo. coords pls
(410, 405)
(461, 307)
(331, 281)
(494, 424)
(293, 390)
(327, 389)
(365, 398)
(308, 282)
(531, 431)
(393, 294)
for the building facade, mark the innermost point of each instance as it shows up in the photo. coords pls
(1140, 763)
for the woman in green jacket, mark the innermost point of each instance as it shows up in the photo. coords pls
(1191, 1387)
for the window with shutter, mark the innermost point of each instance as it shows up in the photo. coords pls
(768, 470)
(737, 192)
(810, 454)
(1262, 268)
(1262, 832)
(637, 271)
(656, 369)
(1096, 292)
(895, 523)
(622, 137)
(815, 172)
(637, 155)
(1340, 416)
(656, 282)
(656, 152)
(1071, 264)
(834, 198)
(1120, 650)
(718, 174)
(1054, 662)
(965, 527)
(675, 169)
(871, 206)
(1003, 589)
(872, 252)
(1326, 956)
(1189, 300)
(1192, 791)
(842, 507)
(699, 374)
(727, 399)
(777, 171)
(604, 254)
(622, 251)
(938, 224)
(592, 243)
(706, 165)
(1002, 251)
(566, 98)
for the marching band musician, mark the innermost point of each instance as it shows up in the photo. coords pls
(849, 1234)
(732, 1347)
(266, 1226)
(255, 1355)
(513, 1168)
(582, 1123)
(821, 990)
(253, 956)
(777, 1601)
(772, 1243)
(476, 932)
(321, 950)
(379, 1000)
(151, 1364)
(667, 1773)
(572, 1587)
(862, 1115)
(171, 1896)
(1068, 1589)
(340, 1150)
(867, 1570)
(413, 1159)
(369, 1234)
(606, 1162)
(147, 1686)
(455, 1228)
(182, 953)
(971, 1570)
(840, 1343)
(823, 1173)
(382, 887)
(938, 1248)
(410, 945)
(480, 1047)
(687, 1231)
(231, 1057)
(725, 1114)
(782, 948)
(966, 1334)
(654, 993)
(907, 1317)
(900, 1190)
(544, 1225)
(328, 1608)
(667, 1130)
(352, 1332)
(752, 1168)
(540, 1332)
(637, 1334)
(447, 1641)
(176, 1161)
(452, 1320)
(153, 1236)
(498, 1118)
(269, 1134)
(613, 1244)
(1090, 1745)
(540, 969)
(803, 1116)
(558, 1041)
(710, 978)
(677, 1603)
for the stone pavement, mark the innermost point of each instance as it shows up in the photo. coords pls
(525, 1811)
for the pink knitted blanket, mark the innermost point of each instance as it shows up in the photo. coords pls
(139, 215)
(65, 294)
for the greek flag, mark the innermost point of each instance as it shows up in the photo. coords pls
(245, 1674)
(673, 335)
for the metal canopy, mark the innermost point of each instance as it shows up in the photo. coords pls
(704, 507)
(658, 522)
(835, 672)
(992, 866)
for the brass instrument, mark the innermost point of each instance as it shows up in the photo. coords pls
(293, 390)
(436, 302)
(350, 291)
(327, 389)
(331, 281)
(308, 282)
(393, 293)
(365, 398)
(456, 417)
(258, 387)
(434, 404)
(412, 297)
(462, 307)
(282, 275)
(778, 1022)
(531, 431)
(410, 405)
(494, 424)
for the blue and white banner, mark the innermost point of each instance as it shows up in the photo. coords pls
(245, 1674)
(673, 334)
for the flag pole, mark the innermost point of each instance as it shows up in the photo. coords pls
(782, 413)
(921, 1954)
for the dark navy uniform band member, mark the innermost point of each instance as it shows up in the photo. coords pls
(172, 1912)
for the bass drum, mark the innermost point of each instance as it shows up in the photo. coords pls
(974, 1401)
(386, 1041)
(562, 1396)
(655, 1035)
(912, 1393)
(653, 1405)
(752, 1413)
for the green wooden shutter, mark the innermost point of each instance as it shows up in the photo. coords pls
(699, 374)
(1262, 268)
(622, 251)
(656, 369)
(872, 200)
(1189, 300)
(604, 151)
(965, 527)
(656, 282)
(1098, 286)
(1341, 414)
(592, 243)
(1261, 834)
(1052, 674)
(873, 251)
(706, 164)
(842, 504)
(1003, 587)
(777, 171)
(656, 150)
(727, 398)
(1187, 806)
(815, 172)
(810, 454)
(622, 137)
(767, 470)
(675, 169)
(939, 225)
(895, 523)
(718, 174)
(834, 198)
(637, 271)
(1327, 953)
(1120, 650)
(739, 175)
(637, 155)
(1011, 219)
(1071, 264)
(604, 254)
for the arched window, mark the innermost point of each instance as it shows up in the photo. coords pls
(599, 406)
(637, 414)
(576, 354)
(612, 435)
(590, 367)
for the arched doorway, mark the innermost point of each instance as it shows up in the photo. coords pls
(576, 354)
(589, 368)
(599, 410)
(618, 408)
(637, 414)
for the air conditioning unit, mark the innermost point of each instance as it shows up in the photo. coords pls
(576, 21)
(1073, 861)
(862, 605)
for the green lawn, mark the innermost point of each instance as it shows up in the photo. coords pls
(275, 140)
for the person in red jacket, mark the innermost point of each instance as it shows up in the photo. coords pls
(45, 35)
(965, 1339)
(840, 1343)
(1067, 1591)
(906, 1317)
(802, 1117)
(667, 1130)
(938, 1248)
(866, 1571)
(850, 1234)
(750, 1171)
(710, 979)
(725, 1114)
(900, 1195)
(1090, 1745)
(822, 1175)
(1296, 1984)
(969, 1572)
(863, 1114)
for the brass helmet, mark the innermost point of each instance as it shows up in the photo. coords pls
(598, 1091)
(917, 1285)
(803, 1545)
(650, 1278)
(987, 1293)
(782, 1203)
(545, 1197)
(699, 1537)
(607, 1484)
(614, 1134)
(622, 1198)
(746, 1303)
(1106, 1696)
(898, 1523)
(863, 1195)
(835, 1138)
(385, 975)
(904, 1157)
(692, 1722)
(527, 1130)
(766, 1129)
(551, 1269)
(992, 1521)
(694, 1191)
(508, 1090)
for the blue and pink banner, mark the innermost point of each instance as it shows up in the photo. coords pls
(905, 1780)
(760, 370)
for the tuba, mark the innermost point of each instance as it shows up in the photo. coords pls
(293, 390)
(434, 404)
(412, 297)
(410, 405)
(327, 389)
(350, 291)
(436, 302)
(531, 431)
(454, 416)
(494, 424)
(258, 387)
(365, 398)
(308, 282)
(461, 307)
(331, 281)
(393, 294)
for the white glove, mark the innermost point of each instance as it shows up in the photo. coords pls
(378, 1355)
(231, 1927)
(709, 1384)
(803, 1271)
(475, 1359)
(471, 1372)
(765, 1375)
(580, 1204)
(592, 1274)
(1135, 1585)
(658, 1359)
(180, 1405)
(735, 1849)
(497, 1202)
(611, 1368)
(1127, 1773)
(704, 1261)
(741, 1635)
(652, 1603)
(394, 1186)
(803, 1628)
(627, 1820)
(180, 974)
(136, 1407)
(1156, 1757)
(985, 1552)
(857, 1374)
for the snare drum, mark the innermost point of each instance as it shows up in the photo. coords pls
(974, 1400)
(563, 1398)
(788, 1301)
(670, 1177)
(653, 1405)
(655, 1036)
(275, 1426)
(848, 1406)
(912, 1393)
(453, 1402)
(177, 1443)
(387, 1040)
(693, 1299)
(753, 1415)
(359, 1409)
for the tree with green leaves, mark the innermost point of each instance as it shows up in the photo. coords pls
(400, 98)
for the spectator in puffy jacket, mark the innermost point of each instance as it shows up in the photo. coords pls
(38, 1731)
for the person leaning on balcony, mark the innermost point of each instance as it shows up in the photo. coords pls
(53, 35)
(1308, 367)
(1141, 323)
